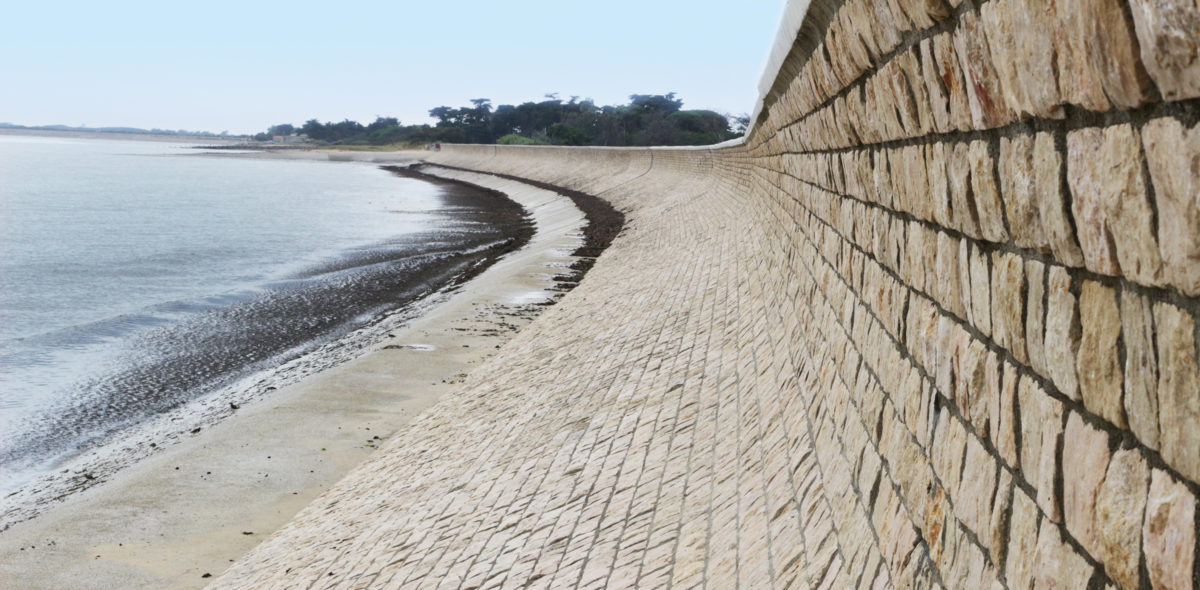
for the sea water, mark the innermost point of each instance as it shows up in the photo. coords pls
(137, 277)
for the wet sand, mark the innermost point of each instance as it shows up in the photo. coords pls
(191, 509)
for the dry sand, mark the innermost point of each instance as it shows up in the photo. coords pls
(193, 508)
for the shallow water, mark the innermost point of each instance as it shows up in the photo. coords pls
(135, 278)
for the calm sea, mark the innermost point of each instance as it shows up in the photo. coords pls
(136, 277)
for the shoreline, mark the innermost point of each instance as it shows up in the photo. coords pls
(166, 498)
(307, 354)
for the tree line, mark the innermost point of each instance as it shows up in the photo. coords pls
(648, 119)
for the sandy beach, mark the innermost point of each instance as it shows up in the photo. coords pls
(185, 513)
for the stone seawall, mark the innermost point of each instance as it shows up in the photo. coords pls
(933, 324)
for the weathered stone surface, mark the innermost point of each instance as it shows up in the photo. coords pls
(1119, 509)
(984, 94)
(1169, 532)
(1078, 79)
(997, 542)
(1035, 315)
(1141, 367)
(1051, 203)
(1097, 60)
(1169, 36)
(1178, 384)
(1008, 304)
(1032, 23)
(958, 172)
(1041, 429)
(1085, 458)
(935, 91)
(1111, 208)
(1003, 424)
(952, 80)
(981, 281)
(988, 207)
(1017, 192)
(1099, 368)
(950, 292)
(924, 13)
(1058, 566)
(1062, 332)
(1173, 156)
(973, 504)
(1022, 541)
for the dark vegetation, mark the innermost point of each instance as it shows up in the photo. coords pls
(648, 119)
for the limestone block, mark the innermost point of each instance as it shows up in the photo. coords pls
(972, 389)
(882, 178)
(997, 542)
(924, 13)
(1096, 56)
(936, 519)
(1022, 541)
(1169, 35)
(964, 279)
(854, 46)
(1003, 423)
(935, 90)
(1099, 368)
(950, 291)
(1017, 192)
(953, 81)
(1173, 157)
(1141, 368)
(1035, 315)
(997, 21)
(1169, 532)
(858, 22)
(1058, 566)
(1178, 384)
(949, 441)
(1062, 332)
(986, 196)
(981, 316)
(1051, 204)
(973, 504)
(958, 172)
(1041, 429)
(916, 182)
(984, 95)
(1119, 509)
(1008, 304)
(902, 95)
(1031, 26)
(1085, 459)
(1111, 207)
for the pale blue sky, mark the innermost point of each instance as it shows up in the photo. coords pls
(240, 66)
